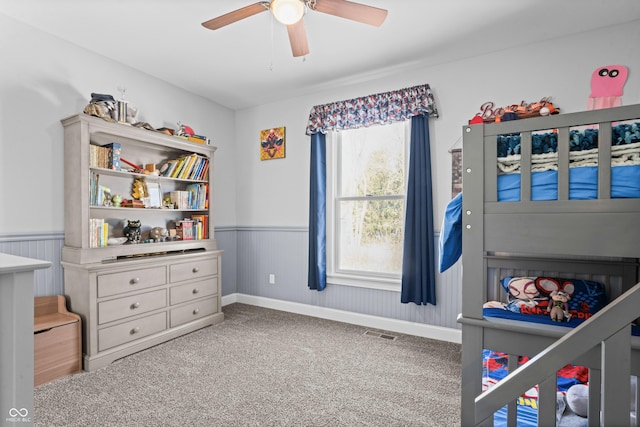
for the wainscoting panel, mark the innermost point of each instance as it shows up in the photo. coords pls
(46, 247)
(283, 253)
(250, 255)
(227, 241)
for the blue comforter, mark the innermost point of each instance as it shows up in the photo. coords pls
(583, 185)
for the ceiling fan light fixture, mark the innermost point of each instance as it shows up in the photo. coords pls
(287, 11)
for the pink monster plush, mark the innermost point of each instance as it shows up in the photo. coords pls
(606, 86)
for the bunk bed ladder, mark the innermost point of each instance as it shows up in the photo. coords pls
(610, 330)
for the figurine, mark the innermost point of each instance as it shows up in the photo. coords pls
(139, 189)
(117, 200)
(132, 231)
(158, 234)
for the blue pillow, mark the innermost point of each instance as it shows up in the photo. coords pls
(451, 234)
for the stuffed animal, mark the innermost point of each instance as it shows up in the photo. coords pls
(577, 398)
(559, 294)
(522, 292)
(559, 306)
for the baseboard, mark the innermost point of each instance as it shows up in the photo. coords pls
(383, 323)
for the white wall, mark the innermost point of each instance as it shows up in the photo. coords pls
(44, 79)
(275, 192)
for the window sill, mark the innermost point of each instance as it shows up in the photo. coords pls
(369, 282)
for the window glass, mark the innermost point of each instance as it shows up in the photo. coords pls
(367, 200)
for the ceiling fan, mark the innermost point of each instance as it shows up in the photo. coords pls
(290, 13)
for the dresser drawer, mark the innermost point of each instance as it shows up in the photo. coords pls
(120, 308)
(130, 331)
(193, 290)
(193, 311)
(193, 269)
(126, 281)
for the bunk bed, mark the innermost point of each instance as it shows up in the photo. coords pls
(573, 220)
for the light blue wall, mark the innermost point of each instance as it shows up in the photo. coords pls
(283, 252)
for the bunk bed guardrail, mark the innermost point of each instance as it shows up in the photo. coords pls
(610, 329)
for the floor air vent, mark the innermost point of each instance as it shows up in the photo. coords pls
(380, 335)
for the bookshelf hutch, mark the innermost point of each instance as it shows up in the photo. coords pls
(132, 296)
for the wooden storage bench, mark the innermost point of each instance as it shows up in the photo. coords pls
(57, 340)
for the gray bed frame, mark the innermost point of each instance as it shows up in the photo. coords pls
(589, 239)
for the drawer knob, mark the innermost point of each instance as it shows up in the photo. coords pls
(134, 281)
(195, 290)
(195, 269)
(135, 330)
(135, 305)
(196, 311)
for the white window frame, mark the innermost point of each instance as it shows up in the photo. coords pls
(387, 282)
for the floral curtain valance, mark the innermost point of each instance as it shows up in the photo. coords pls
(381, 108)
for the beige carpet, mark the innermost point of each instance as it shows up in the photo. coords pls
(264, 367)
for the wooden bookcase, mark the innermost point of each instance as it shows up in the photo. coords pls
(132, 296)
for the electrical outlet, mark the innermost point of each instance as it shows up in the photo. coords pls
(272, 279)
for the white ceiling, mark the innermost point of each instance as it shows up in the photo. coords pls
(250, 62)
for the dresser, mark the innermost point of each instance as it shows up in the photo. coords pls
(135, 304)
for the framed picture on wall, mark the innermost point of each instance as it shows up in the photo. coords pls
(272, 143)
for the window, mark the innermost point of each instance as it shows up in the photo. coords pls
(366, 190)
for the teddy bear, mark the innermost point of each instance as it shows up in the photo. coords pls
(558, 309)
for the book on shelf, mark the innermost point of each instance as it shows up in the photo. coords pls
(98, 232)
(204, 174)
(196, 169)
(198, 195)
(99, 195)
(106, 157)
(200, 139)
(192, 166)
(200, 168)
(103, 197)
(202, 223)
(186, 170)
(178, 169)
(114, 155)
(97, 154)
(167, 168)
(93, 187)
(180, 199)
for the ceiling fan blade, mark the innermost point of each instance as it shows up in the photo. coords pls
(236, 15)
(298, 39)
(354, 11)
